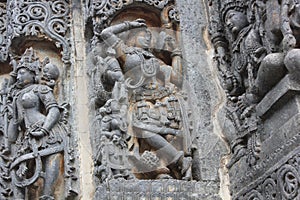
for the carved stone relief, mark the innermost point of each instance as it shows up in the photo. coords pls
(103, 12)
(37, 151)
(257, 53)
(139, 107)
(142, 125)
(47, 19)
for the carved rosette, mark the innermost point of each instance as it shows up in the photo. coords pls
(4, 42)
(280, 183)
(47, 19)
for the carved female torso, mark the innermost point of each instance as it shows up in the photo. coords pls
(28, 104)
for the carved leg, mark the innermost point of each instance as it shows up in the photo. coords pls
(292, 61)
(18, 192)
(165, 151)
(270, 72)
(173, 158)
(54, 169)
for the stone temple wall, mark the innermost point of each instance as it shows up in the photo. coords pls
(149, 99)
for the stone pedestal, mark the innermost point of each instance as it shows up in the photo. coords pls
(153, 190)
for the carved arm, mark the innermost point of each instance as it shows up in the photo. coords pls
(289, 40)
(109, 34)
(51, 119)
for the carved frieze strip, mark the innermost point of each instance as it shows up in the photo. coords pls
(150, 189)
(104, 10)
(272, 156)
(280, 182)
(4, 42)
(49, 19)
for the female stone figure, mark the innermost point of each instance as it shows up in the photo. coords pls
(156, 117)
(37, 134)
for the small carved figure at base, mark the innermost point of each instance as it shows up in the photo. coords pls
(111, 161)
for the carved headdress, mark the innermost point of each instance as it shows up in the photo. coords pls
(29, 61)
(238, 5)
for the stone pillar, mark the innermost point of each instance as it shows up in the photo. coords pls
(81, 102)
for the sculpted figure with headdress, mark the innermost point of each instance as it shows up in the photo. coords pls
(157, 121)
(37, 132)
(254, 70)
(255, 67)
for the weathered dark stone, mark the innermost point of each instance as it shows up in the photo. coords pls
(258, 59)
(169, 99)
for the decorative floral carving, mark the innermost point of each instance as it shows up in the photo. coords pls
(254, 195)
(288, 178)
(157, 3)
(281, 183)
(46, 19)
(270, 189)
(173, 14)
(106, 9)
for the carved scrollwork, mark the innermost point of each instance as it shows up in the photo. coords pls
(47, 19)
(170, 15)
(173, 14)
(254, 195)
(109, 7)
(288, 178)
(282, 182)
(269, 188)
(157, 3)
(106, 9)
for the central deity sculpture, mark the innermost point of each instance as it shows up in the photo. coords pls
(159, 139)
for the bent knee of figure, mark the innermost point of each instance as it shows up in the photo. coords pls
(273, 60)
(155, 140)
(115, 75)
(272, 66)
(292, 61)
(271, 71)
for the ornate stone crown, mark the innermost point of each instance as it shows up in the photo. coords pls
(29, 61)
(238, 5)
